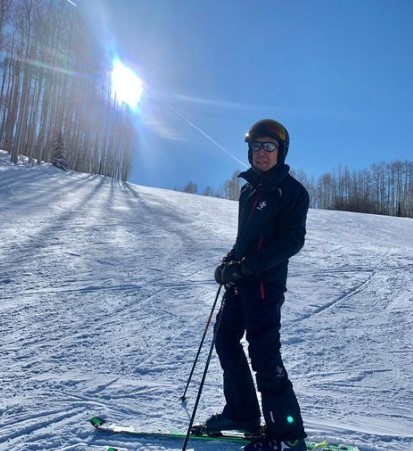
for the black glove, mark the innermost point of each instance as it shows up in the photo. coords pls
(232, 272)
(218, 273)
(229, 257)
(218, 270)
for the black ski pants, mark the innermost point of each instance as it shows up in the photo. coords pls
(251, 309)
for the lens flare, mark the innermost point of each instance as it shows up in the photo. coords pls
(126, 86)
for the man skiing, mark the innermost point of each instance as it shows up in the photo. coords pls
(271, 228)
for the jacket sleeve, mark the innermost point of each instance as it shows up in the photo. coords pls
(290, 236)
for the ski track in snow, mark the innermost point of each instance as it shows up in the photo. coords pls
(105, 289)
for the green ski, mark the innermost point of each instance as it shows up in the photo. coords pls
(111, 427)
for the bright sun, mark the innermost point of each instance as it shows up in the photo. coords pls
(126, 85)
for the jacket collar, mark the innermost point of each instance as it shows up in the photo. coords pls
(268, 180)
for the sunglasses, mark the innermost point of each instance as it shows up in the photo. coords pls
(255, 146)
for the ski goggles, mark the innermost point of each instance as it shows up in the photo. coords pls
(269, 147)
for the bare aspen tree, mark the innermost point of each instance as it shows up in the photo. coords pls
(54, 80)
(232, 187)
(5, 7)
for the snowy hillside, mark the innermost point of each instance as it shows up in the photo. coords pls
(105, 290)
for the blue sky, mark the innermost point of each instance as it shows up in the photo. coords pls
(337, 73)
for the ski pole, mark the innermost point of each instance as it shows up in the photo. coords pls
(201, 386)
(183, 397)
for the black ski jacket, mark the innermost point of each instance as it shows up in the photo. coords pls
(273, 208)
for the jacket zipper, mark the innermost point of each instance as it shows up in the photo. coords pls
(262, 288)
(260, 242)
(254, 206)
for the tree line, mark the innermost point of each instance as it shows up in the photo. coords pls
(55, 91)
(384, 189)
(229, 190)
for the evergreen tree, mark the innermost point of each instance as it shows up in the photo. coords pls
(59, 155)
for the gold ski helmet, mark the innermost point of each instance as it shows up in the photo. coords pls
(273, 129)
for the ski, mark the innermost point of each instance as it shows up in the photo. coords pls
(198, 433)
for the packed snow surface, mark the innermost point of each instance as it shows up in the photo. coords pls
(105, 289)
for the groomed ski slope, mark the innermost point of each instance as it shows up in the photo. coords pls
(105, 289)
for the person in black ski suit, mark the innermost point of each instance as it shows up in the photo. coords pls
(273, 208)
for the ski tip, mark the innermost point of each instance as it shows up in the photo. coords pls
(96, 421)
(326, 446)
(320, 446)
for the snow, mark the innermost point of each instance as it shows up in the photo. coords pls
(105, 289)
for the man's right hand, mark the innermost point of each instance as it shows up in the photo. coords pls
(231, 272)
(218, 273)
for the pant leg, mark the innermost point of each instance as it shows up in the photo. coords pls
(239, 389)
(263, 322)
